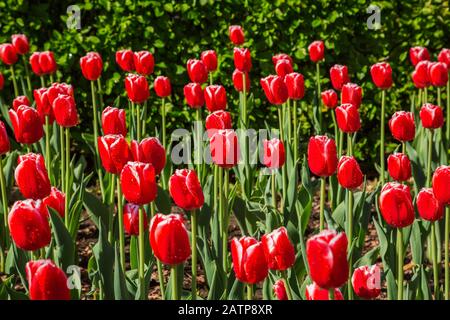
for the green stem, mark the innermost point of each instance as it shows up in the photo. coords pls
(400, 264)
(446, 253)
(286, 285)
(350, 223)
(42, 81)
(141, 239)
(447, 133)
(289, 120)
(111, 218)
(199, 142)
(174, 282)
(48, 163)
(138, 122)
(62, 165)
(211, 78)
(4, 204)
(294, 110)
(158, 263)
(27, 74)
(95, 132)
(274, 192)
(322, 203)
(194, 253)
(13, 76)
(133, 121)
(435, 261)
(121, 227)
(144, 119)
(439, 96)
(383, 95)
(341, 143)
(249, 291)
(319, 100)
(331, 294)
(67, 179)
(425, 95)
(244, 101)
(430, 156)
(225, 219)
(336, 132)
(163, 122)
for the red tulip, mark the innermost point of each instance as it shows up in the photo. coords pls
(242, 59)
(20, 100)
(351, 93)
(275, 89)
(421, 75)
(396, 205)
(56, 200)
(20, 42)
(43, 63)
(295, 85)
(274, 153)
(209, 58)
(26, 124)
(280, 290)
(402, 126)
(125, 60)
(418, 54)
(138, 182)
(137, 88)
(441, 181)
(326, 253)
(197, 71)
(349, 173)
(46, 281)
(330, 98)
(432, 116)
(281, 56)
(91, 66)
(444, 56)
(8, 54)
(249, 261)
(163, 88)
(236, 35)
(2, 81)
(169, 239)
(114, 121)
(347, 116)
(322, 156)
(65, 111)
(283, 67)
(279, 251)
(366, 281)
(316, 51)
(114, 152)
(339, 76)
(57, 89)
(28, 224)
(238, 81)
(224, 148)
(194, 95)
(151, 151)
(144, 62)
(4, 140)
(185, 190)
(399, 167)
(218, 120)
(438, 74)
(31, 176)
(215, 98)
(43, 105)
(429, 207)
(131, 219)
(314, 292)
(381, 73)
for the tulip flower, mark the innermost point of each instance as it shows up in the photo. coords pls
(8, 54)
(4, 140)
(26, 124)
(418, 54)
(4, 148)
(347, 117)
(2, 81)
(295, 84)
(197, 71)
(399, 167)
(444, 56)
(57, 89)
(429, 207)
(366, 281)
(114, 121)
(330, 98)
(28, 225)
(339, 76)
(209, 59)
(218, 120)
(396, 205)
(421, 75)
(143, 62)
(20, 43)
(43, 63)
(440, 182)
(194, 95)
(351, 93)
(215, 98)
(162, 85)
(402, 126)
(114, 152)
(381, 73)
(225, 148)
(283, 67)
(438, 74)
(281, 56)
(19, 101)
(125, 60)
(46, 281)
(137, 88)
(314, 292)
(279, 251)
(56, 200)
(238, 81)
(91, 66)
(316, 51)
(65, 111)
(151, 151)
(432, 116)
(236, 34)
(349, 173)
(275, 89)
(280, 290)
(138, 182)
(131, 219)
(242, 59)
(31, 176)
(274, 153)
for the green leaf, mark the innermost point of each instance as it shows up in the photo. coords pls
(65, 246)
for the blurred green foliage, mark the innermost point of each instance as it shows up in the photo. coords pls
(178, 30)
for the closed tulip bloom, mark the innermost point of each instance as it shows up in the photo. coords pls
(114, 121)
(283, 67)
(444, 56)
(280, 290)
(242, 59)
(366, 281)
(429, 207)
(396, 205)
(26, 124)
(209, 58)
(440, 183)
(43, 63)
(20, 100)
(438, 74)
(238, 80)
(417, 54)
(197, 71)
(185, 190)
(349, 173)
(137, 88)
(326, 253)
(402, 126)
(163, 88)
(274, 153)
(4, 140)
(2, 81)
(218, 120)
(322, 156)
(149, 150)
(46, 281)
(432, 116)
(421, 75)
(281, 56)
(399, 166)
(65, 111)
(8, 54)
(339, 76)
(169, 239)
(295, 84)
(31, 176)
(275, 89)
(215, 98)
(43, 105)
(316, 51)
(381, 73)
(138, 182)
(314, 292)
(114, 152)
(347, 116)
(249, 261)
(131, 219)
(194, 95)
(56, 200)
(279, 250)
(28, 225)
(225, 148)
(125, 60)
(329, 98)
(144, 62)
(91, 66)
(236, 34)
(20, 42)
(57, 89)
(351, 93)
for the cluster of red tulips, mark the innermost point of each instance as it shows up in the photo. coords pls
(139, 193)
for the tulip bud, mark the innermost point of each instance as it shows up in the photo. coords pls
(249, 261)
(65, 111)
(131, 219)
(209, 59)
(138, 182)
(421, 75)
(274, 153)
(114, 152)
(215, 98)
(194, 95)
(20, 42)
(429, 207)
(279, 251)
(114, 121)
(163, 88)
(283, 67)
(381, 73)
(339, 76)
(322, 156)
(351, 93)
(418, 54)
(20, 100)
(432, 116)
(43, 105)
(2, 81)
(197, 71)
(295, 84)
(238, 81)
(46, 281)
(4, 140)
(224, 148)
(31, 176)
(144, 62)
(151, 151)
(56, 200)
(438, 74)
(218, 120)
(26, 124)
(440, 183)
(399, 167)
(316, 51)
(8, 54)
(349, 173)
(444, 56)
(242, 59)
(137, 88)
(169, 239)
(91, 66)
(28, 224)
(43, 63)
(347, 117)
(314, 292)
(275, 89)
(125, 60)
(330, 98)
(402, 126)
(280, 290)
(185, 190)
(396, 205)
(366, 281)
(236, 35)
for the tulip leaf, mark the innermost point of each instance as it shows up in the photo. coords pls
(65, 245)
(120, 288)
(104, 255)
(163, 201)
(21, 258)
(98, 211)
